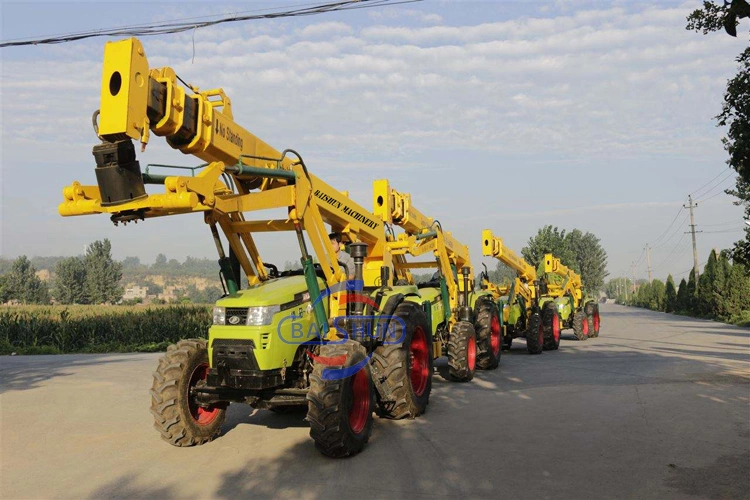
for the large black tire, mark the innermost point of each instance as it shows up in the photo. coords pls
(406, 367)
(462, 352)
(589, 308)
(581, 325)
(594, 323)
(489, 335)
(552, 326)
(535, 335)
(340, 410)
(179, 419)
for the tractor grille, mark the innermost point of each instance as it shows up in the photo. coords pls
(234, 354)
(240, 313)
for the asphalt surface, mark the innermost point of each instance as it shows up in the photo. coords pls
(657, 407)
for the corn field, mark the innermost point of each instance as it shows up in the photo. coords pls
(67, 329)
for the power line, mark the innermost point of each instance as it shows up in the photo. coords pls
(674, 233)
(685, 272)
(674, 251)
(703, 200)
(656, 241)
(709, 182)
(725, 231)
(727, 223)
(717, 185)
(181, 26)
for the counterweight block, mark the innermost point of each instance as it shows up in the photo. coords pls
(118, 173)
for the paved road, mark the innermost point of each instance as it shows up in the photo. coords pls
(656, 407)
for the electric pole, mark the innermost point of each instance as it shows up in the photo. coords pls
(632, 268)
(648, 260)
(693, 231)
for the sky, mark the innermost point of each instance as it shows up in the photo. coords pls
(493, 115)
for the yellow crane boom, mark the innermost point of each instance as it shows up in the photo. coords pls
(492, 246)
(243, 174)
(571, 281)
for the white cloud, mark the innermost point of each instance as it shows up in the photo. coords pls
(408, 95)
(325, 30)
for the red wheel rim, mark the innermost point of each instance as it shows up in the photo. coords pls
(201, 415)
(495, 335)
(471, 352)
(419, 362)
(585, 327)
(360, 410)
(556, 328)
(596, 323)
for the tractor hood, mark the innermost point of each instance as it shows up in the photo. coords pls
(272, 292)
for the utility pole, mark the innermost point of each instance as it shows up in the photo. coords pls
(693, 231)
(648, 260)
(632, 268)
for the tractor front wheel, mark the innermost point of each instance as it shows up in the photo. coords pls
(407, 365)
(462, 352)
(340, 399)
(177, 416)
(489, 335)
(535, 335)
(594, 323)
(581, 325)
(551, 322)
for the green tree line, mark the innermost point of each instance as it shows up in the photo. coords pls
(91, 279)
(722, 292)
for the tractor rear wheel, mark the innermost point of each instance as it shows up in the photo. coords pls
(535, 335)
(340, 399)
(407, 365)
(581, 325)
(177, 416)
(489, 335)
(551, 321)
(594, 323)
(462, 352)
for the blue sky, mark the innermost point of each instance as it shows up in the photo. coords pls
(500, 115)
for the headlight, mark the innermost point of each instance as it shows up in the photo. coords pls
(261, 315)
(220, 315)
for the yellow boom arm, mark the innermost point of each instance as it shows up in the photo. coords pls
(571, 280)
(422, 235)
(493, 246)
(243, 172)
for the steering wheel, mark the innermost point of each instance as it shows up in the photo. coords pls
(274, 270)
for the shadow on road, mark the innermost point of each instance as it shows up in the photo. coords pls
(20, 373)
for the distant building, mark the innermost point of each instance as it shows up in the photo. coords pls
(135, 292)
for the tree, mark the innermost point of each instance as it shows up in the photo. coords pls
(103, 274)
(705, 296)
(658, 291)
(161, 261)
(670, 295)
(643, 297)
(735, 110)
(690, 305)
(590, 258)
(548, 240)
(683, 302)
(70, 281)
(737, 291)
(22, 284)
(131, 263)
